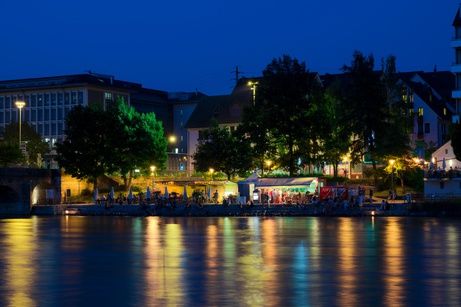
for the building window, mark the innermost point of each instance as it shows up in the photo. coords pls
(420, 111)
(47, 99)
(1, 102)
(108, 96)
(33, 100)
(427, 128)
(60, 99)
(446, 151)
(39, 100)
(66, 98)
(80, 98)
(53, 99)
(7, 102)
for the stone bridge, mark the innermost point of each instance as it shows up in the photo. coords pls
(21, 187)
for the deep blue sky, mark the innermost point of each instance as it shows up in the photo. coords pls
(181, 45)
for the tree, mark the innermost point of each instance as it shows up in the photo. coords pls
(257, 130)
(334, 130)
(456, 140)
(283, 97)
(137, 140)
(10, 154)
(86, 151)
(224, 151)
(374, 110)
(35, 146)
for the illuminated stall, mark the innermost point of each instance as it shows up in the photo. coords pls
(279, 190)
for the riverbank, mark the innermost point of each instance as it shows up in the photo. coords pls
(231, 210)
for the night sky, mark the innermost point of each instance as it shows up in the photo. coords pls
(183, 45)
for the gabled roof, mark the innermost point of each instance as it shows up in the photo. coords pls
(443, 82)
(457, 20)
(424, 92)
(211, 108)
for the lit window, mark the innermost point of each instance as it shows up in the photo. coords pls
(445, 111)
(108, 96)
(420, 111)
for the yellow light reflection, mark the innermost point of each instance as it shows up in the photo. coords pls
(452, 264)
(393, 263)
(212, 264)
(347, 264)
(20, 253)
(269, 236)
(251, 267)
(163, 274)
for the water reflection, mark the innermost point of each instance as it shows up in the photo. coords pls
(393, 262)
(19, 252)
(347, 268)
(229, 261)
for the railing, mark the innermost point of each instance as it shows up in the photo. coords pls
(441, 174)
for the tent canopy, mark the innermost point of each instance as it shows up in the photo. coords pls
(280, 182)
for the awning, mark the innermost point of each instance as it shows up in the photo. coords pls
(280, 182)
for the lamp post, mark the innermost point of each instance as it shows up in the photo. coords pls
(268, 164)
(391, 163)
(253, 85)
(20, 104)
(211, 171)
(152, 173)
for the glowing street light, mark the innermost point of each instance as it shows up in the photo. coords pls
(172, 139)
(211, 171)
(20, 104)
(253, 85)
(391, 163)
(268, 164)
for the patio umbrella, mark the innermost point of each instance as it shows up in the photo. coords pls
(444, 164)
(111, 193)
(209, 192)
(130, 195)
(95, 194)
(148, 196)
(184, 194)
(166, 192)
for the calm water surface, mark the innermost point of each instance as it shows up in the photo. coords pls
(112, 261)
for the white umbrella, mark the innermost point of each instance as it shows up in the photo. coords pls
(444, 164)
(95, 194)
(209, 192)
(166, 192)
(148, 193)
(111, 193)
(130, 195)
(184, 194)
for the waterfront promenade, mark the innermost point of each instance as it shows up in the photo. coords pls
(221, 210)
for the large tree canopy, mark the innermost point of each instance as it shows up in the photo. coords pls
(86, 151)
(138, 141)
(118, 140)
(284, 99)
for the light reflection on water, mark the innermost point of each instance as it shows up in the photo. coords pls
(229, 261)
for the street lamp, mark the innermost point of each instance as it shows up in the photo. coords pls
(211, 171)
(253, 85)
(268, 164)
(391, 163)
(20, 104)
(152, 173)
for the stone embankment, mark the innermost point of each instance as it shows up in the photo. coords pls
(217, 210)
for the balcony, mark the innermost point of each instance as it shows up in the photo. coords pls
(456, 68)
(456, 43)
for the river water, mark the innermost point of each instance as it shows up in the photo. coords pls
(254, 261)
